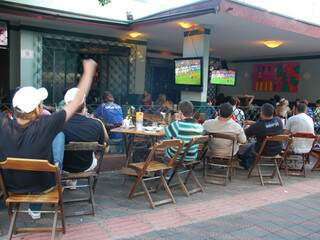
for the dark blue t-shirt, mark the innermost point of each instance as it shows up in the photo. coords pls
(33, 141)
(263, 128)
(111, 113)
(80, 128)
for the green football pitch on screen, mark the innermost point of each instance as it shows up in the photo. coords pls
(190, 78)
(223, 80)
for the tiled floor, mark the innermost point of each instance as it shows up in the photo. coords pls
(241, 210)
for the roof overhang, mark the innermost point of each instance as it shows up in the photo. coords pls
(226, 17)
(271, 19)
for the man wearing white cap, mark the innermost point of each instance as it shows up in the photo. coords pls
(81, 128)
(29, 136)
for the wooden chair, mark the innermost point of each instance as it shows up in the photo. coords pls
(1, 193)
(151, 166)
(13, 201)
(91, 176)
(153, 118)
(315, 152)
(270, 161)
(299, 157)
(183, 167)
(215, 162)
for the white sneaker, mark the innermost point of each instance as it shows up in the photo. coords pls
(71, 184)
(34, 215)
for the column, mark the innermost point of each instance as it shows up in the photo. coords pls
(196, 43)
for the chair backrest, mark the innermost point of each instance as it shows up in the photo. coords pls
(282, 138)
(95, 147)
(153, 118)
(173, 143)
(304, 135)
(202, 141)
(225, 136)
(298, 136)
(34, 165)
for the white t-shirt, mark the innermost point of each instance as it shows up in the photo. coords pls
(301, 123)
(223, 147)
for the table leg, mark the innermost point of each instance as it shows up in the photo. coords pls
(129, 148)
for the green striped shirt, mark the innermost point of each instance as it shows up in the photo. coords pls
(184, 130)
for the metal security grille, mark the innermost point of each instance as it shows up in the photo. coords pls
(61, 66)
(118, 82)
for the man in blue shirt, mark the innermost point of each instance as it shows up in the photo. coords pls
(110, 113)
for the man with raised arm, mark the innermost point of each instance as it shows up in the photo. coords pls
(29, 136)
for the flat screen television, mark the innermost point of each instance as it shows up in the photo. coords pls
(188, 72)
(223, 77)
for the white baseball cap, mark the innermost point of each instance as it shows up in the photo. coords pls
(70, 95)
(28, 98)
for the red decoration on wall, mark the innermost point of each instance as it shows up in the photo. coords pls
(280, 77)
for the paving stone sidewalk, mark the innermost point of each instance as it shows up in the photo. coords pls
(289, 220)
(241, 210)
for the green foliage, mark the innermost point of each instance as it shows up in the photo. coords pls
(104, 2)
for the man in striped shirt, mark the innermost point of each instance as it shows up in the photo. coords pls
(185, 128)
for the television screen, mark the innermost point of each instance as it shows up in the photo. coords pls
(223, 77)
(188, 71)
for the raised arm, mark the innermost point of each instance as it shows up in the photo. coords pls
(251, 98)
(89, 69)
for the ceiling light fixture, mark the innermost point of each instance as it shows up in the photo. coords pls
(186, 25)
(135, 34)
(272, 43)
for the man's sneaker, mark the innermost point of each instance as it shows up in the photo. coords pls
(71, 184)
(34, 215)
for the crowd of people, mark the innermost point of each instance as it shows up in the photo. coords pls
(34, 133)
(243, 130)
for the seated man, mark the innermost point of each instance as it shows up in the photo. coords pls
(31, 136)
(81, 128)
(267, 125)
(111, 115)
(301, 122)
(224, 124)
(317, 117)
(184, 129)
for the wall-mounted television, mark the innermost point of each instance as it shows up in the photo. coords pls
(188, 72)
(223, 77)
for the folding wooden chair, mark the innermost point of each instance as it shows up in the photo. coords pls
(270, 161)
(299, 157)
(183, 167)
(226, 164)
(13, 201)
(151, 166)
(316, 154)
(90, 176)
(1, 193)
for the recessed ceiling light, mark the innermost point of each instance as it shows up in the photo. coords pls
(186, 25)
(272, 43)
(135, 34)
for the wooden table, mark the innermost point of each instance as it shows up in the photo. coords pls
(129, 135)
(134, 131)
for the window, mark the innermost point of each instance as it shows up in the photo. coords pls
(3, 35)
